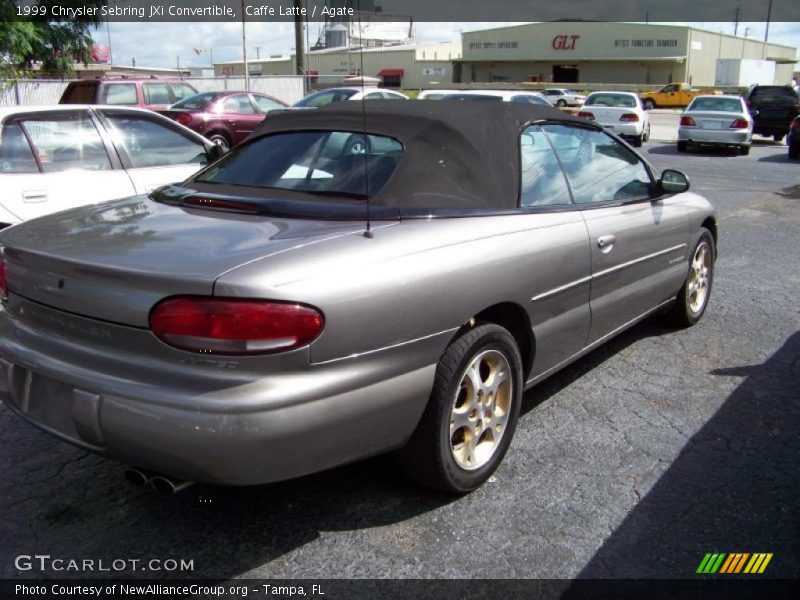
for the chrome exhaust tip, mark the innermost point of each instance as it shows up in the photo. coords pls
(137, 476)
(166, 485)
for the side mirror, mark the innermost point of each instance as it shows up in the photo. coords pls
(214, 153)
(673, 182)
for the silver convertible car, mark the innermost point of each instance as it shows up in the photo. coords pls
(299, 305)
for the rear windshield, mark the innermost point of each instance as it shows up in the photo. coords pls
(622, 100)
(324, 162)
(768, 93)
(197, 100)
(717, 104)
(80, 93)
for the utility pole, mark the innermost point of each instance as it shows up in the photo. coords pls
(244, 52)
(769, 16)
(299, 58)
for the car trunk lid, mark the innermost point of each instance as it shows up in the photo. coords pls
(115, 261)
(608, 116)
(714, 119)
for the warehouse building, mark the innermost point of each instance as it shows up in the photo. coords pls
(566, 52)
(407, 66)
(590, 52)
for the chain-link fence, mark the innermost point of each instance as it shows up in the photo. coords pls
(37, 92)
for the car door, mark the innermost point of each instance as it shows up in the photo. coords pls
(55, 160)
(638, 245)
(241, 116)
(154, 150)
(560, 263)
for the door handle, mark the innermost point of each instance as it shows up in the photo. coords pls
(34, 196)
(604, 242)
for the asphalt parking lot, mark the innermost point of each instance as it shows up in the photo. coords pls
(634, 462)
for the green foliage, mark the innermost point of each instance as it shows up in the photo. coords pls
(52, 42)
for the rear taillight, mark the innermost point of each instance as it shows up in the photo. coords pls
(234, 326)
(739, 124)
(795, 124)
(3, 282)
(585, 114)
(688, 122)
(629, 117)
(184, 119)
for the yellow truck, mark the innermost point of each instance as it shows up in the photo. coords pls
(673, 95)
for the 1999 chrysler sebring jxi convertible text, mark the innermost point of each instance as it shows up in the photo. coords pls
(246, 327)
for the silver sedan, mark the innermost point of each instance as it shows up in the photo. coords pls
(295, 306)
(716, 121)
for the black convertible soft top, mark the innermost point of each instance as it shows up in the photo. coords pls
(457, 154)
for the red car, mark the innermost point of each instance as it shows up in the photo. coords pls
(225, 118)
(151, 92)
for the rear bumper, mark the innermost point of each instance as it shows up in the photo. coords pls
(251, 429)
(717, 137)
(624, 129)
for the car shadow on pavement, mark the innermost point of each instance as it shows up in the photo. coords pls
(733, 488)
(59, 501)
(652, 327)
(63, 502)
(783, 157)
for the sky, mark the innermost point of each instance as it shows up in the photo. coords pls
(168, 44)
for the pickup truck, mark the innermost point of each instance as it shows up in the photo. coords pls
(673, 95)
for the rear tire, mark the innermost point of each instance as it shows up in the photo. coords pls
(692, 300)
(561, 103)
(794, 151)
(471, 415)
(683, 146)
(744, 150)
(649, 104)
(646, 134)
(638, 141)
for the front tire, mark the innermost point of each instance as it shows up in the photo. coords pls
(693, 298)
(471, 415)
(221, 141)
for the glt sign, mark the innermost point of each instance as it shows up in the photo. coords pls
(565, 42)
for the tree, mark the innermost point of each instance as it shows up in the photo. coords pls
(54, 42)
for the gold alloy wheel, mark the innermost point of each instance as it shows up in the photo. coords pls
(699, 276)
(480, 410)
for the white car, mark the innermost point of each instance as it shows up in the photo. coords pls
(621, 112)
(355, 92)
(58, 157)
(716, 121)
(562, 97)
(521, 96)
